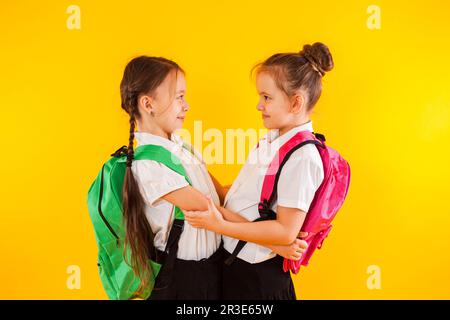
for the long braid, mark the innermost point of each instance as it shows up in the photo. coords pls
(139, 233)
(130, 150)
(142, 75)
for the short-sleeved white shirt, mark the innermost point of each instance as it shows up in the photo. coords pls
(156, 180)
(300, 177)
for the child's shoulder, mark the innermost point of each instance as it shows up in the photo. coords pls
(152, 170)
(307, 153)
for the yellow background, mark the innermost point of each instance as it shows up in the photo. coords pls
(385, 107)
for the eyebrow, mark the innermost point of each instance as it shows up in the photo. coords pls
(181, 91)
(265, 93)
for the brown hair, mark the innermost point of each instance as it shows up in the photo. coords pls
(300, 71)
(142, 75)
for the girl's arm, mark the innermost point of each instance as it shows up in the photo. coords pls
(290, 251)
(282, 231)
(187, 198)
(231, 216)
(220, 189)
(190, 199)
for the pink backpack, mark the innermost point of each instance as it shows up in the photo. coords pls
(327, 200)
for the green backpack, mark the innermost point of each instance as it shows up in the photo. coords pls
(105, 209)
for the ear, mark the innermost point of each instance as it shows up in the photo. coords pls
(145, 104)
(298, 101)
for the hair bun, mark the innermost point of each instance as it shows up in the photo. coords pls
(319, 56)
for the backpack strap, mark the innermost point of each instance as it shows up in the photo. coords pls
(155, 153)
(164, 156)
(270, 184)
(167, 257)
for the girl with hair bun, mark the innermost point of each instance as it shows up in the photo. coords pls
(289, 86)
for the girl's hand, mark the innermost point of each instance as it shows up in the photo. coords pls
(210, 219)
(293, 252)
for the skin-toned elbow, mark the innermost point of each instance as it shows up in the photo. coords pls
(285, 240)
(290, 237)
(285, 236)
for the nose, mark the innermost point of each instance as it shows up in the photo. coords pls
(260, 106)
(185, 106)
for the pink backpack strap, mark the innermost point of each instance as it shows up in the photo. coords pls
(269, 188)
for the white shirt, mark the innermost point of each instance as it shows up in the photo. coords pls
(156, 180)
(300, 177)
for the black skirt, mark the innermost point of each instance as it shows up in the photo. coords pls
(259, 281)
(193, 280)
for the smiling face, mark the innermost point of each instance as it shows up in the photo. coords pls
(164, 110)
(170, 104)
(274, 104)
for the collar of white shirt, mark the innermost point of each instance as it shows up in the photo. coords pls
(274, 135)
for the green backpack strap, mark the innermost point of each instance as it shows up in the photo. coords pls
(164, 156)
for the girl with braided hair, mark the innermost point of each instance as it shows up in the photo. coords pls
(153, 94)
